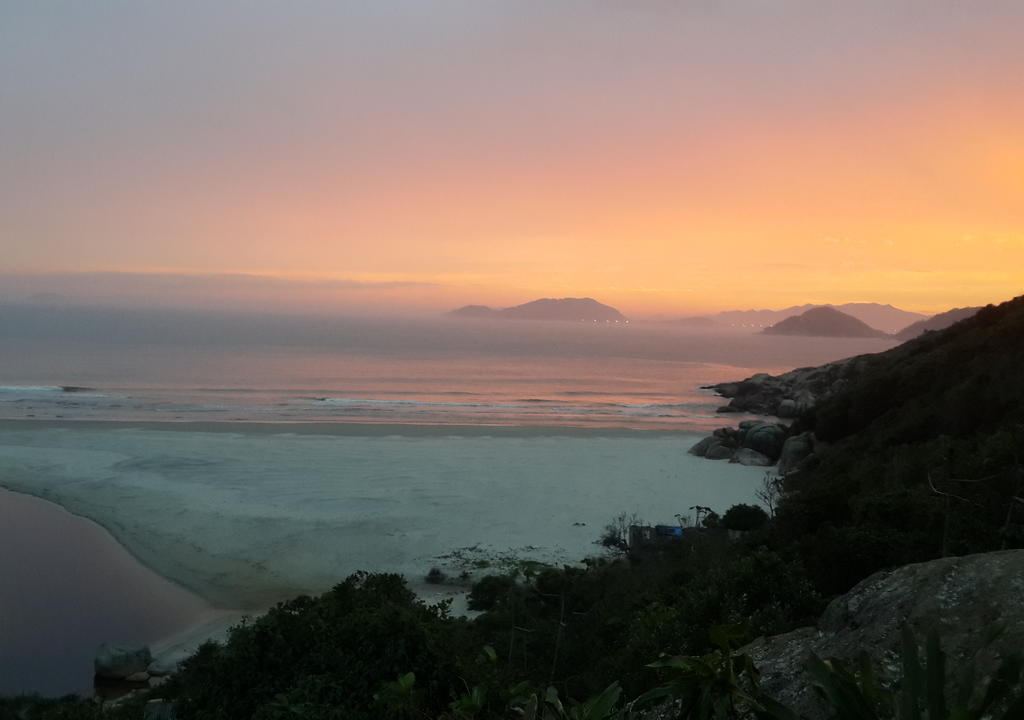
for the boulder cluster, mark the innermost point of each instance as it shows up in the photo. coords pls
(760, 443)
(132, 664)
(753, 443)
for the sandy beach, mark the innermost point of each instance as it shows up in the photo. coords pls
(248, 514)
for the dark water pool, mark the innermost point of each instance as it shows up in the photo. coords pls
(65, 587)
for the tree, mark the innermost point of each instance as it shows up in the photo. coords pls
(744, 517)
(770, 492)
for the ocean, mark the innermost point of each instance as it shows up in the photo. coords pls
(167, 367)
(247, 459)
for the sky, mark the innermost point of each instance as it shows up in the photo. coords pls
(664, 156)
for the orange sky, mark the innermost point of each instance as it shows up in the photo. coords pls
(669, 158)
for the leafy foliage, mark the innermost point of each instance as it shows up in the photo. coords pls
(722, 685)
(744, 517)
(324, 657)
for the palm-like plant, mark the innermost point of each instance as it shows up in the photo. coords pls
(921, 693)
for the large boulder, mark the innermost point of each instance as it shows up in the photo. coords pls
(119, 662)
(700, 449)
(787, 408)
(795, 451)
(746, 456)
(719, 451)
(974, 602)
(766, 439)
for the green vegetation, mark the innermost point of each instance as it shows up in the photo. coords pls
(925, 459)
(921, 694)
(744, 517)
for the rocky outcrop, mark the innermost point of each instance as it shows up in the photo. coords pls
(974, 603)
(796, 452)
(122, 662)
(755, 442)
(790, 394)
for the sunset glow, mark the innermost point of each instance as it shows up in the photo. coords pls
(667, 158)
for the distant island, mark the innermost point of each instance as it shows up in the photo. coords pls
(876, 315)
(824, 322)
(565, 309)
(937, 322)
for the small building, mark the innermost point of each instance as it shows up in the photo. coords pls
(647, 536)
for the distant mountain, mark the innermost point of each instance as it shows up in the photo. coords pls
(473, 311)
(571, 309)
(759, 318)
(824, 322)
(937, 322)
(886, 318)
(883, 317)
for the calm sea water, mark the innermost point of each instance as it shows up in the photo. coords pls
(168, 367)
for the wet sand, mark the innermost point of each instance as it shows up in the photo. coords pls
(247, 515)
(68, 586)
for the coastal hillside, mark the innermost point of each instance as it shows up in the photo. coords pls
(924, 453)
(566, 309)
(823, 322)
(936, 322)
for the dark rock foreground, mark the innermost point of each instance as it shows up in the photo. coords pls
(974, 602)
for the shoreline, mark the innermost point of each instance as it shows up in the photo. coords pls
(70, 584)
(211, 623)
(346, 428)
(244, 515)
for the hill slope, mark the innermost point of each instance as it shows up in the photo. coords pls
(823, 322)
(936, 322)
(926, 451)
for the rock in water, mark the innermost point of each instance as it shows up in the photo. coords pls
(973, 602)
(118, 662)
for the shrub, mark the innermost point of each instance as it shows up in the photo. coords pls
(490, 591)
(744, 517)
